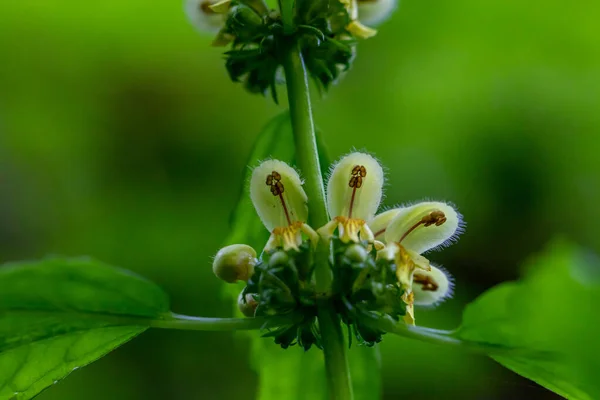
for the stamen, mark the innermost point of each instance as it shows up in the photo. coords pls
(426, 282)
(379, 232)
(436, 217)
(277, 189)
(356, 181)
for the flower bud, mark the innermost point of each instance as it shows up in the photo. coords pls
(375, 12)
(203, 17)
(355, 187)
(235, 262)
(247, 304)
(278, 259)
(356, 253)
(243, 22)
(432, 287)
(277, 194)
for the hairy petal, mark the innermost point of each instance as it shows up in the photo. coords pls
(277, 194)
(432, 287)
(355, 187)
(381, 221)
(424, 226)
(375, 12)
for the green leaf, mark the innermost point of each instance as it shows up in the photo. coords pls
(57, 315)
(299, 374)
(545, 326)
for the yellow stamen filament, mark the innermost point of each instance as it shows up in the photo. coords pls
(277, 189)
(436, 218)
(356, 181)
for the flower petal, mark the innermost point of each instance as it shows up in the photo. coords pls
(432, 287)
(277, 194)
(375, 12)
(424, 226)
(381, 221)
(355, 187)
(202, 17)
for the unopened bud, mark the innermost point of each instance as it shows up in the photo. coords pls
(235, 262)
(356, 253)
(247, 304)
(279, 258)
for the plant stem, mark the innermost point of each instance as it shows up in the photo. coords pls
(307, 156)
(304, 133)
(447, 338)
(185, 322)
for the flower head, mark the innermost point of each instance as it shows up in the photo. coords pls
(354, 192)
(280, 201)
(410, 231)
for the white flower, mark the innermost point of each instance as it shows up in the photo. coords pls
(280, 201)
(207, 16)
(354, 191)
(410, 231)
(375, 12)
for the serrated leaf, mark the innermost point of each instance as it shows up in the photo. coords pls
(550, 320)
(57, 315)
(298, 374)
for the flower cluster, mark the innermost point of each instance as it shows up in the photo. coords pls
(375, 259)
(324, 30)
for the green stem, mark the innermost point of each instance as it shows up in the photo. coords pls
(168, 321)
(307, 156)
(304, 134)
(446, 338)
(185, 322)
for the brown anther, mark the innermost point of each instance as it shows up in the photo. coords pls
(205, 7)
(427, 284)
(436, 217)
(274, 181)
(357, 175)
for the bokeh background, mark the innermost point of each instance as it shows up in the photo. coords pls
(122, 137)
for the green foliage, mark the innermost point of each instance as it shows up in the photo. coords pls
(307, 380)
(58, 315)
(545, 326)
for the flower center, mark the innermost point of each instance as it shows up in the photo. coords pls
(277, 189)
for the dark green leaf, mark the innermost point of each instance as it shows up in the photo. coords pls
(57, 315)
(549, 318)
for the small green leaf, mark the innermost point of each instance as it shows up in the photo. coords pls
(547, 320)
(299, 374)
(57, 315)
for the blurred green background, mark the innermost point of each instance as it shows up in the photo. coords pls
(121, 137)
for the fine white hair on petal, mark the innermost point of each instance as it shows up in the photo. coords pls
(408, 226)
(277, 194)
(355, 186)
(202, 18)
(375, 12)
(442, 281)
